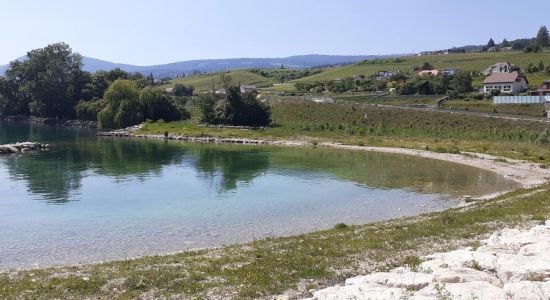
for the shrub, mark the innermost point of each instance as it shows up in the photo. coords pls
(88, 110)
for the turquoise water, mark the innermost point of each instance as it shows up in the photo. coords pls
(90, 199)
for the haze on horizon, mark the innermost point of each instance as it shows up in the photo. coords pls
(154, 32)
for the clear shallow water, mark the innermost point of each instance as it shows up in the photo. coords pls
(90, 199)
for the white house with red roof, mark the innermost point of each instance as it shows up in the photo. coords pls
(507, 83)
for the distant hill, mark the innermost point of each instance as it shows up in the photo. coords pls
(213, 65)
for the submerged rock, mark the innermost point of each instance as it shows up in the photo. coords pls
(22, 147)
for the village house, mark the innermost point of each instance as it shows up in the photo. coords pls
(450, 71)
(507, 83)
(248, 88)
(544, 90)
(382, 75)
(501, 67)
(429, 73)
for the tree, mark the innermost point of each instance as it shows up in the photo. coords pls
(427, 66)
(156, 105)
(541, 66)
(491, 43)
(181, 90)
(122, 106)
(48, 83)
(543, 38)
(505, 43)
(462, 83)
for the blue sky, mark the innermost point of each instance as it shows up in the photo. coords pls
(153, 32)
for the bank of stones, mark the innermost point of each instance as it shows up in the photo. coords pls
(510, 264)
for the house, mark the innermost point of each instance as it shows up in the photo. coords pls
(507, 83)
(429, 73)
(382, 75)
(450, 71)
(248, 88)
(544, 90)
(501, 67)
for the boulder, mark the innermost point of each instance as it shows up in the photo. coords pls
(527, 290)
(466, 290)
(407, 280)
(541, 250)
(460, 258)
(461, 274)
(516, 268)
(360, 291)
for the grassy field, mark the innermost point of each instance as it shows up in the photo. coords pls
(533, 110)
(467, 62)
(272, 266)
(204, 82)
(358, 124)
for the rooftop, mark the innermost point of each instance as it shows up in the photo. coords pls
(502, 77)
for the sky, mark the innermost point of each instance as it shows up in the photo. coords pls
(161, 31)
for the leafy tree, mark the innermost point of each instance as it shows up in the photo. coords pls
(535, 47)
(88, 110)
(505, 43)
(491, 43)
(206, 104)
(427, 66)
(541, 66)
(122, 106)
(181, 90)
(226, 81)
(462, 83)
(157, 105)
(543, 38)
(49, 82)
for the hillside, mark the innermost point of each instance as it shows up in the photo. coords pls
(215, 65)
(467, 62)
(205, 82)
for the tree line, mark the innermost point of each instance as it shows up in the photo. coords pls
(50, 83)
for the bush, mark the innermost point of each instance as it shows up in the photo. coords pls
(88, 110)
(237, 109)
(543, 138)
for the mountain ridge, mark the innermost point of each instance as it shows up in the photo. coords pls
(212, 65)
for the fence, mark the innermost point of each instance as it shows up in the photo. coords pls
(520, 99)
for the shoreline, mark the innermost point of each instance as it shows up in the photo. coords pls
(50, 121)
(527, 174)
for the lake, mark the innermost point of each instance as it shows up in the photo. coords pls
(91, 199)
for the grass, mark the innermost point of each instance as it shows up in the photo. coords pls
(469, 62)
(204, 82)
(533, 110)
(266, 267)
(358, 124)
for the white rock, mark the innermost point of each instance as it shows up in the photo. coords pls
(511, 240)
(527, 290)
(467, 290)
(515, 268)
(547, 223)
(460, 258)
(359, 291)
(537, 249)
(408, 280)
(458, 275)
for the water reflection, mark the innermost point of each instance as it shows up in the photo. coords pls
(57, 175)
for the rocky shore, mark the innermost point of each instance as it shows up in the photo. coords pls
(22, 147)
(510, 264)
